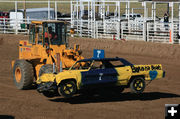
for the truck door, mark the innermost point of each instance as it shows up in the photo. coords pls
(99, 74)
(124, 74)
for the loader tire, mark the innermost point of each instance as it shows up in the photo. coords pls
(23, 74)
(47, 68)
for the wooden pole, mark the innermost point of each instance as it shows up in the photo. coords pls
(167, 8)
(24, 9)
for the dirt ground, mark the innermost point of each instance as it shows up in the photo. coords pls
(29, 104)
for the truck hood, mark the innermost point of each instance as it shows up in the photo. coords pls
(48, 77)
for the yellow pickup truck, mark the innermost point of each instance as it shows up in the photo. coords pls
(94, 73)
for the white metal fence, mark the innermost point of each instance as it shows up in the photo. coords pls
(13, 26)
(158, 32)
(100, 29)
(163, 32)
(100, 23)
(133, 30)
(155, 31)
(113, 27)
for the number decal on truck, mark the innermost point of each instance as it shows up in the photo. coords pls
(100, 76)
(98, 53)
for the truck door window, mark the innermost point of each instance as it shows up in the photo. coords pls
(84, 65)
(116, 63)
(97, 65)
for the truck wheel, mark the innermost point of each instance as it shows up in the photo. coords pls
(137, 85)
(47, 68)
(67, 89)
(23, 74)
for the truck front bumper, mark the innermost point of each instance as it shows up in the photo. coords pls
(47, 87)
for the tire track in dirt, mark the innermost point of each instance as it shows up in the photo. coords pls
(28, 104)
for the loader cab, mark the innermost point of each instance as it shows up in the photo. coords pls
(48, 33)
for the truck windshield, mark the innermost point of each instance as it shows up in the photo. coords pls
(83, 65)
(55, 33)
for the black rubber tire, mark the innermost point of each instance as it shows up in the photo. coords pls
(120, 89)
(48, 94)
(134, 82)
(115, 90)
(47, 68)
(27, 74)
(87, 92)
(62, 92)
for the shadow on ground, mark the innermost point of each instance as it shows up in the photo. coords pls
(81, 99)
(6, 117)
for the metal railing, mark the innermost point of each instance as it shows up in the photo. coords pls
(163, 32)
(132, 30)
(13, 26)
(19, 26)
(158, 32)
(113, 27)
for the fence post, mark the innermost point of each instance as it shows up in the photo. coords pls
(154, 13)
(88, 18)
(97, 29)
(179, 23)
(77, 17)
(16, 24)
(118, 30)
(153, 36)
(94, 29)
(48, 10)
(122, 37)
(72, 15)
(91, 13)
(144, 21)
(4, 27)
(55, 10)
(94, 18)
(148, 32)
(81, 15)
(128, 13)
(172, 21)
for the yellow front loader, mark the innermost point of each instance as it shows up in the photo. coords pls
(46, 51)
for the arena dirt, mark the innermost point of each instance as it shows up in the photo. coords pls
(29, 104)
